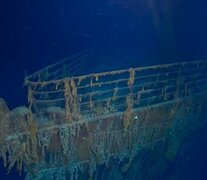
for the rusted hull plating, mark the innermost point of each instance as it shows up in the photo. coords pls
(75, 124)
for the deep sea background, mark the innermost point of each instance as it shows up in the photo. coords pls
(125, 33)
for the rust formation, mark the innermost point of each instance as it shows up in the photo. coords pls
(75, 123)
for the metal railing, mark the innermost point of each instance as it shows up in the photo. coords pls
(67, 67)
(117, 91)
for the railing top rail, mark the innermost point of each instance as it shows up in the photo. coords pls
(119, 90)
(115, 72)
(66, 60)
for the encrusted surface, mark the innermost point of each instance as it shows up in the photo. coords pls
(74, 125)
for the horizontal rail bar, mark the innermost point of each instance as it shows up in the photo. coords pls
(115, 72)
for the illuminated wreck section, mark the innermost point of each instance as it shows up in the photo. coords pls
(100, 126)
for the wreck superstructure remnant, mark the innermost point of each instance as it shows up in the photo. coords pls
(76, 124)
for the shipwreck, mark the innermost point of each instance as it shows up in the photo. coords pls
(100, 125)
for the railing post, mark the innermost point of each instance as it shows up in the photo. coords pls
(67, 100)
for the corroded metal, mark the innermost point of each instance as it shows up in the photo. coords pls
(73, 124)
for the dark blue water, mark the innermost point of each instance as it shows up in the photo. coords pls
(34, 34)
